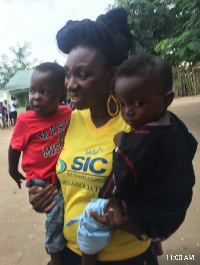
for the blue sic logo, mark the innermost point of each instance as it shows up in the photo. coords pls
(82, 163)
(63, 166)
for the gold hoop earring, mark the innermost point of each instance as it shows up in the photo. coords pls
(108, 106)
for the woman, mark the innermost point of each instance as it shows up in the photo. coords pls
(95, 49)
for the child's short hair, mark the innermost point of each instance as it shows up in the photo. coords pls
(147, 66)
(57, 70)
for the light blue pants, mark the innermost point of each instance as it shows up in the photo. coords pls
(92, 236)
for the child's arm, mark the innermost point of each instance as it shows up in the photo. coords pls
(13, 161)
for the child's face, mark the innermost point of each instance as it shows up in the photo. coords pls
(44, 94)
(139, 100)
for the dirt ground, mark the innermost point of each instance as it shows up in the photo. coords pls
(22, 230)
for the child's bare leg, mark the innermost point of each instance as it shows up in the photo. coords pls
(89, 259)
(57, 258)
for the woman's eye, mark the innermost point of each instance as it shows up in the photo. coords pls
(45, 93)
(67, 75)
(139, 103)
(83, 75)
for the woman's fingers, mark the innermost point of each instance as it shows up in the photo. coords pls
(41, 199)
(98, 218)
(50, 207)
(114, 213)
(107, 205)
(46, 200)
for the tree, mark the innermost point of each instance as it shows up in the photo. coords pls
(183, 44)
(170, 28)
(20, 62)
(149, 20)
(6, 71)
(21, 54)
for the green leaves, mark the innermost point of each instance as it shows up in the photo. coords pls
(20, 62)
(169, 28)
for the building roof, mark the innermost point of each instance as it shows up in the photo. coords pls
(21, 80)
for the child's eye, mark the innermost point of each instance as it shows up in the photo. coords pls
(44, 91)
(121, 104)
(31, 91)
(139, 103)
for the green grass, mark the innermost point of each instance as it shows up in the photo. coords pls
(20, 110)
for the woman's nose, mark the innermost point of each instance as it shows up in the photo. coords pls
(70, 83)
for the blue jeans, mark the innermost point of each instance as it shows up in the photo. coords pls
(4, 120)
(54, 239)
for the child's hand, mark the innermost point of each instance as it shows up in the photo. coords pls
(117, 138)
(18, 177)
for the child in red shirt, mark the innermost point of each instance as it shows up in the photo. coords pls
(39, 134)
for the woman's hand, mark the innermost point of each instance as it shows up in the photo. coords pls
(117, 138)
(114, 214)
(41, 198)
(116, 217)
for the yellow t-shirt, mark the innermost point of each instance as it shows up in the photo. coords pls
(83, 166)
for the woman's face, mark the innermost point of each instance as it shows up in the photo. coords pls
(86, 78)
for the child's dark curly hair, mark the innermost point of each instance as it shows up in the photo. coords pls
(149, 67)
(57, 70)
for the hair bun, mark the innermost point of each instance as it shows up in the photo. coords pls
(110, 33)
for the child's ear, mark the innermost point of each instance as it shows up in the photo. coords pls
(168, 98)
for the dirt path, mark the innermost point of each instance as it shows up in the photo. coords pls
(22, 230)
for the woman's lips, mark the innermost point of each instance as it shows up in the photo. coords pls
(75, 99)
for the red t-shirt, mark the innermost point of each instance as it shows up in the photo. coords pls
(41, 139)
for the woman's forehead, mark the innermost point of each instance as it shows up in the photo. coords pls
(84, 55)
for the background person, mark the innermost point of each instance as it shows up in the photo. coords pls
(1, 117)
(39, 134)
(4, 114)
(13, 112)
(95, 49)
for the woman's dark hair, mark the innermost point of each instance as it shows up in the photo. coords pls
(110, 33)
(58, 71)
(147, 66)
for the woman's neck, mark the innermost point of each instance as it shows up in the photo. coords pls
(99, 115)
(100, 118)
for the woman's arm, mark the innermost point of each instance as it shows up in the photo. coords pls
(41, 198)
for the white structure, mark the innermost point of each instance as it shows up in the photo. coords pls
(3, 96)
